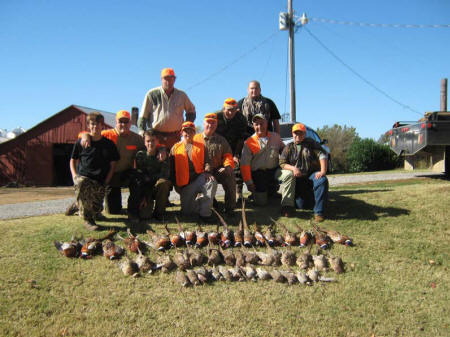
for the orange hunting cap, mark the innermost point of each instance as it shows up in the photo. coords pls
(122, 114)
(230, 103)
(211, 117)
(167, 72)
(298, 127)
(188, 125)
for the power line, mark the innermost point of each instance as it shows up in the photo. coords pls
(378, 25)
(225, 67)
(384, 93)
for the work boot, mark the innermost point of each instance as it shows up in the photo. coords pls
(90, 225)
(71, 209)
(318, 217)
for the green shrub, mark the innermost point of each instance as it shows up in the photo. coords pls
(367, 155)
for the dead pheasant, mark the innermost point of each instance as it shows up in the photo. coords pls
(337, 237)
(176, 240)
(202, 237)
(336, 264)
(304, 236)
(144, 263)
(249, 239)
(111, 251)
(214, 236)
(196, 257)
(215, 274)
(69, 249)
(228, 257)
(240, 259)
(268, 235)
(165, 263)
(303, 278)
(249, 272)
(237, 274)
(288, 257)
(313, 275)
(188, 236)
(182, 279)
(277, 276)
(181, 259)
(320, 262)
(239, 236)
(263, 274)
(193, 278)
(321, 238)
(289, 276)
(132, 243)
(159, 242)
(202, 274)
(259, 237)
(290, 239)
(91, 246)
(250, 256)
(129, 267)
(225, 238)
(226, 275)
(275, 255)
(305, 261)
(214, 256)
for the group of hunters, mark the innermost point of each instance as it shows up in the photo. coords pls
(239, 144)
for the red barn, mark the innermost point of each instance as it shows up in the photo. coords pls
(41, 155)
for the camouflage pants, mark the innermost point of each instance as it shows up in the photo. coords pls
(89, 195)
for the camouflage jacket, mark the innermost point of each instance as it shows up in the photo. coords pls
(305, 156)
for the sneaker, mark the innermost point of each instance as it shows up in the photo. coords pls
(72, 209)
(90, 225)
(318, 218)
(286, 211)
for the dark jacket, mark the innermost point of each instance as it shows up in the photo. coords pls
(307, 160)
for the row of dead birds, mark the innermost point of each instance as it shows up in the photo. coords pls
(240, 259)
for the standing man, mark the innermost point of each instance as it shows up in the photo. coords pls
(232, 125)
(92, 168)
(219, 159)
(162, 110)
(255, 103)
(259, 161)
(303, 174)
(197, 188)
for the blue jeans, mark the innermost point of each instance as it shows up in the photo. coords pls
(319, 187)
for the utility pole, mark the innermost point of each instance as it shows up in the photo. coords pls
(287, 23)
(291, 61)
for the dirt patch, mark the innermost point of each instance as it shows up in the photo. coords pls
(26, 194)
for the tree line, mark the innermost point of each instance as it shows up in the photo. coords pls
(351, 153)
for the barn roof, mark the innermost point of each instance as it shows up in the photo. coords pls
(110, 120)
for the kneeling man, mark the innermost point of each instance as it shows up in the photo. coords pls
(303, 174)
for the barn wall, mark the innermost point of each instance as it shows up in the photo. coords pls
(28, 159)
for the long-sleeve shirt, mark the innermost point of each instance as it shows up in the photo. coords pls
(305, 156)
(218, 151)
(260, 153)
(163, 113)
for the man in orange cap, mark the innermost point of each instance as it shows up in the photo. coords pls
(232, 125)
(219, 163)
(196, 188)
(303, 174)
(162, 110)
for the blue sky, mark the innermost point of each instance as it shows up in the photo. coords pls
(107, 54)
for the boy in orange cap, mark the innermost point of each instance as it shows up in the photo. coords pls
(196, 188)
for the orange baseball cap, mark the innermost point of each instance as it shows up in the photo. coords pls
(167, 72)
(188, 125)
(298, 127)
(211, 117)
(230, 102)
(122, 114)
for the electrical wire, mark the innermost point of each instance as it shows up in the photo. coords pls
(225, 67)
(378, 25)
(384, 93)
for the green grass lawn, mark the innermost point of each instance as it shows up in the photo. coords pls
(396, 281)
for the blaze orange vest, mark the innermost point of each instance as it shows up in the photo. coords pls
(182, 164)
(254, 146)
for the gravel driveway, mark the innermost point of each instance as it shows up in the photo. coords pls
(36, 208)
